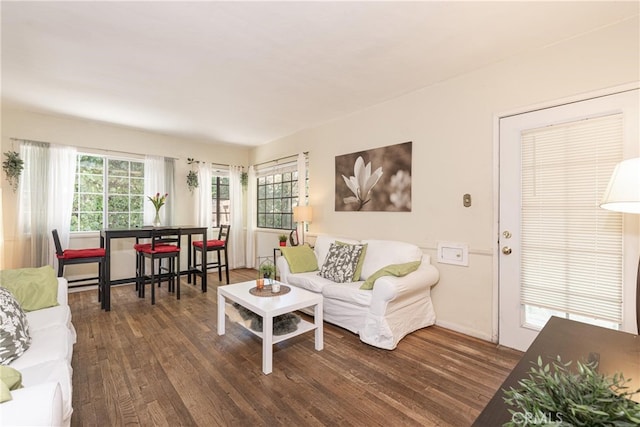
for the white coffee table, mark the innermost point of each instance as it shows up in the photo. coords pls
(270, 307)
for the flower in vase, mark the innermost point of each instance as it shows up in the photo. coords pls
(158, 200)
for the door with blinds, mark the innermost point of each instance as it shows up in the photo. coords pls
(560, 253)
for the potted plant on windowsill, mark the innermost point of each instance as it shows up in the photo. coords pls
(283, 239)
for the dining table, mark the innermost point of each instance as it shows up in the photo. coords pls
(108, 234)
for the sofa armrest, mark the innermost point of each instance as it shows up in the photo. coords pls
(401, 289)
(63, 289)
(282, 266)
(37, 405)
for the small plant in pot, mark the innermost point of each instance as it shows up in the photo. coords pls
(267, 270)
(283, 239)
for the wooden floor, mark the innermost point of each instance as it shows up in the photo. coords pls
(165, 365)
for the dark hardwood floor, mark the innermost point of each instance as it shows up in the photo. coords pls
(166, 365)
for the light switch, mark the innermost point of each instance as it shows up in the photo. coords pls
(453, 253)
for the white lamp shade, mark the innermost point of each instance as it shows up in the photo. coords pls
(302, 213)
(623, 191)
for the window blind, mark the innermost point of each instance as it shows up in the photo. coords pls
(571, 248)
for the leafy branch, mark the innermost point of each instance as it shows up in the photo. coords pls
(555, 395)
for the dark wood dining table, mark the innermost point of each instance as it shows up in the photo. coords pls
(615, 352)
(108, 234)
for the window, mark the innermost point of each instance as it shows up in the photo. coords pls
(220, 201)
(572, 266)
(107, 187)
(277, 195)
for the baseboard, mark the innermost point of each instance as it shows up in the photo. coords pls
(457, 328)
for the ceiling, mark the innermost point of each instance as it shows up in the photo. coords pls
(251, 72)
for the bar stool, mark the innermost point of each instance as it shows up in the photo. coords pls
(80, 256)
(218, 246)
(165, 244)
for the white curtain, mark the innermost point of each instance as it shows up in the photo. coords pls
(302, 188)
(170, 187)
(252, 194)
(154, 183)
(204, 205)
(62, 175)
(236, 241)
(45, 200)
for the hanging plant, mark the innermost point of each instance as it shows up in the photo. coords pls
(192, 177)
(192, 180)
(12, 168)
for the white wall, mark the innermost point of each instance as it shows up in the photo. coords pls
(451, 126)
(94, 135)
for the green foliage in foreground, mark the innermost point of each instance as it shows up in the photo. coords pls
(554, 395)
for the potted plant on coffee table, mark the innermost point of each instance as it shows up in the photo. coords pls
(267, 270)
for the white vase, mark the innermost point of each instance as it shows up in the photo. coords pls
(156, 220)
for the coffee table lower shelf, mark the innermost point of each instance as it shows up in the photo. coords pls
(303, 326)
(268, 308)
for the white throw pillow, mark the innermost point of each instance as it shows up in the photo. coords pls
(381, 253)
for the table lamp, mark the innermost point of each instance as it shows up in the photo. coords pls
(623, 195)
(302, 214)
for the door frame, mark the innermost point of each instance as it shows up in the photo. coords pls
(495, 306)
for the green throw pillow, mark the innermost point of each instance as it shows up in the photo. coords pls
(397, 270)
(10, 379)
(33, 288)
(301, 259)
(356, 274)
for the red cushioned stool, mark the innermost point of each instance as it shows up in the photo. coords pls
(80, 256)
(165, 244)
(218, 246)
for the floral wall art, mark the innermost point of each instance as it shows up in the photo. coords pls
(374, 180)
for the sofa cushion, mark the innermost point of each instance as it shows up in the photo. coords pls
(341, 262)
(381, 253)
(47, 344)
(34, 288)
(348, 292)
(301, 259)
(47, 317)
(397, 270)
(309, 281)
(15, 338)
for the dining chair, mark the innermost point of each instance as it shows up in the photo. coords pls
(219, 246)
(80, 256)
(165, 244)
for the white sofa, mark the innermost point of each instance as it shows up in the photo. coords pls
(45, 399)
(395, 307)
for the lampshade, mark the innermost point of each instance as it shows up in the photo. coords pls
(623, 191)
(302, 213)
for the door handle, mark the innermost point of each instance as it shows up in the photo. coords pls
(506, 250)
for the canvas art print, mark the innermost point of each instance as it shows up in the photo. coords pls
(374, 180)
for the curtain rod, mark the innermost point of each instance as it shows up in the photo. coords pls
(281, 158)
(89, 148)
(190, 160)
